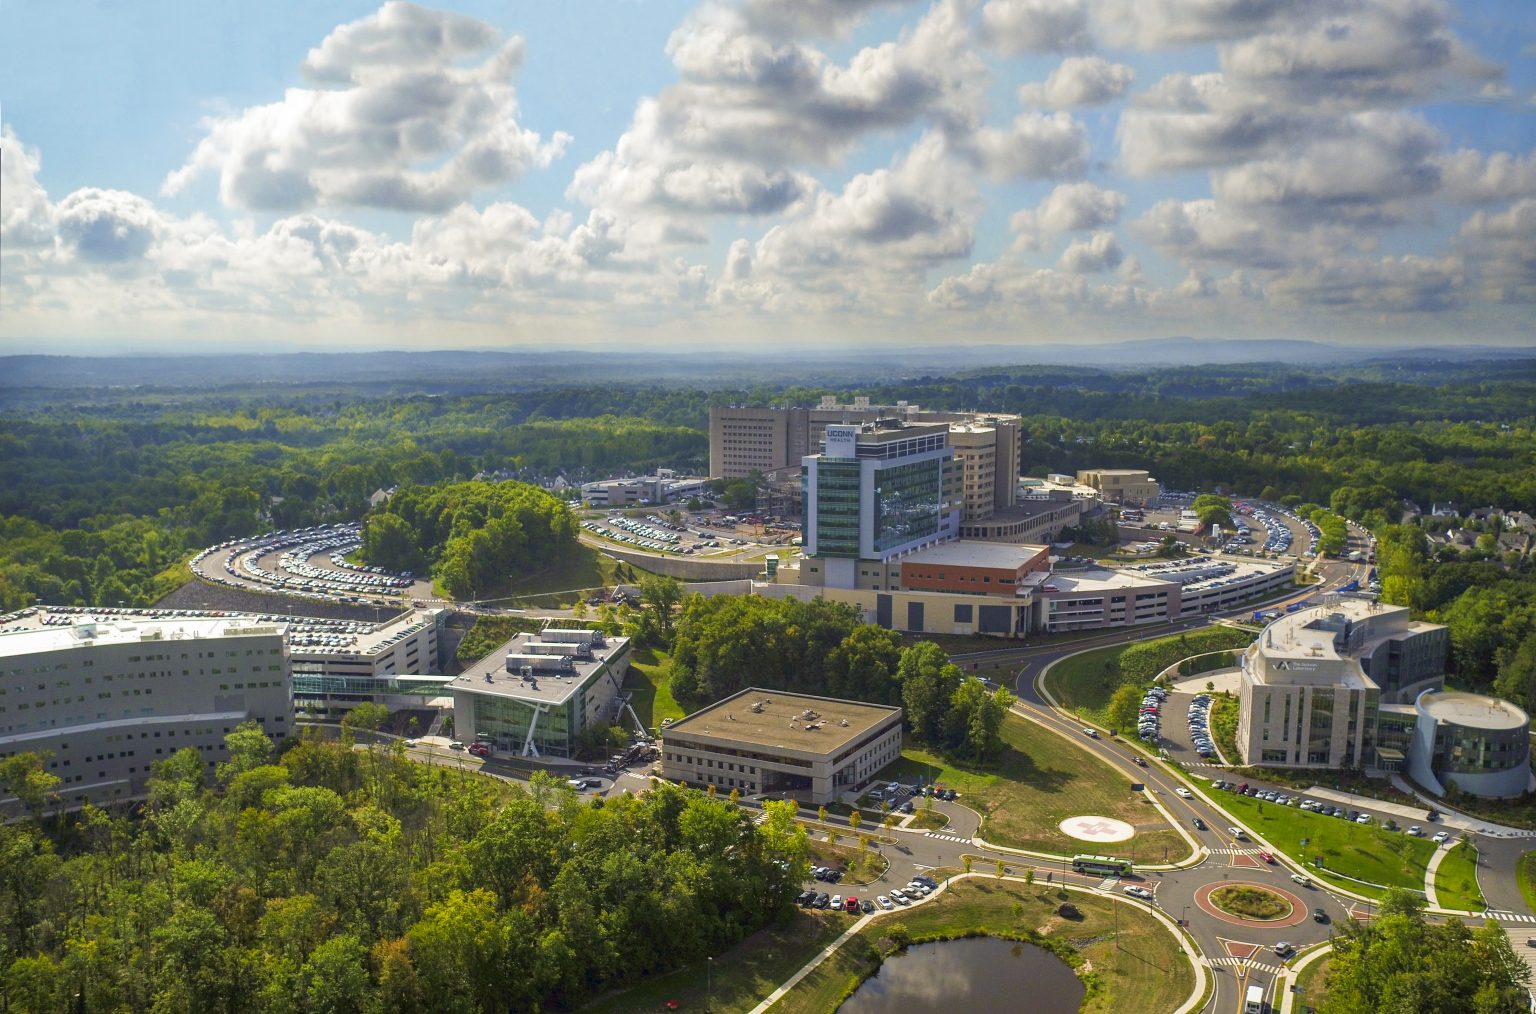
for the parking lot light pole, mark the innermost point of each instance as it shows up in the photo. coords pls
(710, 966)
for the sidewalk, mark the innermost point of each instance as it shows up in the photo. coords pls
(1460, 820)
(1429, 877)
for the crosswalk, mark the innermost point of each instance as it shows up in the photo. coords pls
(1255, 966)
(947, 837)
(1228, 851)
(1510, 916)
(1109, 883)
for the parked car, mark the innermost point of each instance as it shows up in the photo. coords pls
(1441, 838)
(884, 903)
(851, 903)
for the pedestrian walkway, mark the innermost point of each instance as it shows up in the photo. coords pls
(1511, 916)
(1235, 852)
(1429, 877)
(947, 837)
(1256, 966)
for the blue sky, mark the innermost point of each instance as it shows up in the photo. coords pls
(345, 175)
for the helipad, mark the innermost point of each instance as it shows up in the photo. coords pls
(1098, 829)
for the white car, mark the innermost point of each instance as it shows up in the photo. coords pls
(900, 899)
(884, 903)
(1441, 838)
(1183, 792)
(1139, 892)
(1415, 830)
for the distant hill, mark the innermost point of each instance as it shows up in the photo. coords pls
(494, 368)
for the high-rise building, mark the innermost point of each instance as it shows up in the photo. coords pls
(743, 440)
(876, 492)
(103, 701)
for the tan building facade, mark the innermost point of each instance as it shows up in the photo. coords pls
(1121, 485)
(769, 742)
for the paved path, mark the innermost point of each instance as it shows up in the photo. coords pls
(1429, 877)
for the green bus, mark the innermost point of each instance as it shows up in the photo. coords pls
(1107, 866)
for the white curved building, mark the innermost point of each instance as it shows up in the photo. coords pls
(1480, 744)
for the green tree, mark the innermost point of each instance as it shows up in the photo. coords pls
(928, 684)
(662, 594)
(1124, 706)
(25, 776)
(248, 748)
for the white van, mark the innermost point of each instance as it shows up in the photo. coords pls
(1253, 1000)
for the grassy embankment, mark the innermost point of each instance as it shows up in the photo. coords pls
(1035, 783)
(649, 686)
(741, 977)
(1365, 852)
(1525, 875)
(1141, 969)
(1456, 880)
(1084, 683)
(1311, 983)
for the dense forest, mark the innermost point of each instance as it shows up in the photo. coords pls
(330, 879)
(104, 491)
(473, 536)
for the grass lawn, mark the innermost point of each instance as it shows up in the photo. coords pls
(928, 820)
(1141, 971)
(650, 673)
(1224, 727)
(1085, 683)
(743, 976)
(1525, 873)
(1310, 983)
(1038, 781)
(1364, 851)
(1456, 880)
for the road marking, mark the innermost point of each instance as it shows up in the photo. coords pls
(1509, 916)
(1256, 966)
(947, 837)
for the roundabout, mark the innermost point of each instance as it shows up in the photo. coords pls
(1228, 901)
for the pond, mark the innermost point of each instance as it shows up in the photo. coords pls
(984, 973)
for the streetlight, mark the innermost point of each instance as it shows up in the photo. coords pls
(1184, 916)
(710, 965)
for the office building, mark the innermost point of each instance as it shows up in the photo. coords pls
(1121, 485)
(397, 663)
(1481, 745)
(665, 487)
(768, 742)
(536, 694)
(769, 440)
(1316, 684)
(876, 492)
(105, 700)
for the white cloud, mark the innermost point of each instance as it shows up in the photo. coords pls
(1100, 252)
(1475, 177)
(1143, 24)
(1036, 146)
(408, 127)
(1371, 52)
(1369, 167)
(810, 17)
(1393, 285)
(1079, 81)
(1035, 26)
(1069, 207)
(1201, 231)
(26, 217)
(1197, 122)
(107, 226)
(1500, 246)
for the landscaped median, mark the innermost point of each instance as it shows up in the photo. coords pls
(1365, 859)
(1456, 880)
(1142, 968)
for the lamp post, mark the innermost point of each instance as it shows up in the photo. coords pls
(1184, 916)
(710, 965)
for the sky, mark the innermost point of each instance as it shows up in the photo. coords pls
(764, 174)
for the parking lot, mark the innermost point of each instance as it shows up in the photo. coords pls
(704, 534)
(306, 563)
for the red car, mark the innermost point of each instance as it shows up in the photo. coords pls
(1267, 857)
(851, 903)
(479, 749)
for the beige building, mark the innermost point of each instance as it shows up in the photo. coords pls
(987, 446)
(1121, 485)
(106, 700)
(1315, 681)
(744, 440)
(769, 742)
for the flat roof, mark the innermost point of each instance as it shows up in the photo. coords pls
(33, 638)
(546, 688)
(976, 553)
(1089, 581)
(1472, 710)
(781, 722)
